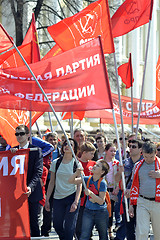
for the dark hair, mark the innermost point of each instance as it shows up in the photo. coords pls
(26, 129)
(140, 143)
(100, 137)
(149, 147)
(75, 145)
(108, 146)
(105, 167)
(51, 134)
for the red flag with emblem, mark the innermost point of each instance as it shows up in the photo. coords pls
(5, 42)
(53, 52)
(91, 22)
(32, 36)
(126, 73)
(130, 15)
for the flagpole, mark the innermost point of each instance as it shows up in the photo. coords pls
(49, 115)
(44, 94)
(144, 72)
(131, 78)
(121, 163)
(132, 106)
(60, 120)
(39, 132)
(71, 124)
(30, 126)
(120, 107)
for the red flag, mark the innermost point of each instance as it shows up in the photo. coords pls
(130, 15)
(76, 115)
(32, 36)
(126, 73)
(10, 119)
(158, 82)
(5, 40)
(53, 52)
(14, 214)
(11, 59)
(91, 22)
(75, 80)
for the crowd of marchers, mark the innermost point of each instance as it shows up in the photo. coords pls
(76, 195)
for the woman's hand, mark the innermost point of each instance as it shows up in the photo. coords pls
(73, 207)
(47, 206)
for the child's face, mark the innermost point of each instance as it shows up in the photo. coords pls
(97, 168)
(149, 157)
(89, 155)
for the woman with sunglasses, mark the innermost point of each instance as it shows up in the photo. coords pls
(66, 196)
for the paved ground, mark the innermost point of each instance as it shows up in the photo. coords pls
(53, 236)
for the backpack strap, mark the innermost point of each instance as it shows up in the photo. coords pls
(59, 160)
(88, 181)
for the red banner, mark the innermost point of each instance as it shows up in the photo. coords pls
(14, 214)
(158, 82)
(5, 42)
(150, 113)
(75, 80)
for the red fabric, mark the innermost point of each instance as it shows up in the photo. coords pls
(76, 115)
(44, 178)
(158, 82)
(87, 168)
(126, 73)
(91, 22)
(84, 85)
(10, 119)
(134, 193)
(14, 214)
(56, 50)
(5, 42)
(150, 113)
(130, 15)
(32, 36)
(12, 59)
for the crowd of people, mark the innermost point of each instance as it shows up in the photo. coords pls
(56, 193)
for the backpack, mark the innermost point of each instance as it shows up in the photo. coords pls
(107, 198)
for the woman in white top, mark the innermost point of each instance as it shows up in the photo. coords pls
(112, 187)
(66, 196)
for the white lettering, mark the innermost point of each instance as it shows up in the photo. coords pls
(64, 96)
(19, 95)
(91, 90)
(128, 106)
(29, 96)
(48, 75)
(38, 97)
(48, 96)
(55, 96)
(96, 59)
(82, 92)
(60, 72)
(4, 164)
(89, 62)
(17, 162)
(75, 66)
(82, 63)
(71, 95)
(68, 69)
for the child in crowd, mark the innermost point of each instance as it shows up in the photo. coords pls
(95, 212)
(87, 150)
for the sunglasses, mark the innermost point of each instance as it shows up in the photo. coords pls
(20, 134)
(66, 143)
(158, 149)
(122, 138)
(133, 146)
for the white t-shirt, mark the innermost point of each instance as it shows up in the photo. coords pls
(62, 187)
